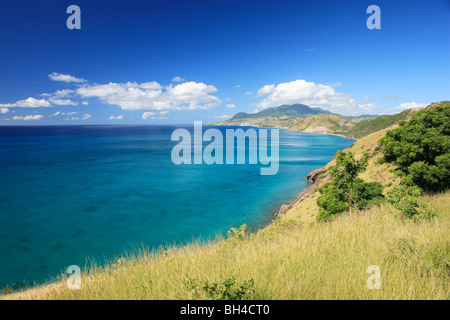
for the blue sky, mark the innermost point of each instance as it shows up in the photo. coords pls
(137, 62)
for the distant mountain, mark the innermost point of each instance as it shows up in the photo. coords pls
(299, 117)
(270, 115)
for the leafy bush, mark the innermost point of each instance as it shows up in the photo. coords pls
(407, 200)
(347, 191)
(237, 235)
(420, 148)
(224, 289)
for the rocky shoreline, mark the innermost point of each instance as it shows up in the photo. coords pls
(312, 177)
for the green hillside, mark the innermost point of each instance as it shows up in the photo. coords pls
(369, 126)
(325, 123)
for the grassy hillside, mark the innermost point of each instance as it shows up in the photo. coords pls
(324, 123)
(295, 257)
(293, 260)
(369, 126)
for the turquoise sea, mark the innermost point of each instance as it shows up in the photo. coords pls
(71, 193)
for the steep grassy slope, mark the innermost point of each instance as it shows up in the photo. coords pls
(324, 123)
(369, 126)
(295, 257)
(291, 260)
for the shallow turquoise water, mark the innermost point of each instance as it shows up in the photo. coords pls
(68, 193)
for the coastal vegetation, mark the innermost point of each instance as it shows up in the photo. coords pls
(347, 192)
(299, 257)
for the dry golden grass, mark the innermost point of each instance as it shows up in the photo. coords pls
(292, 260)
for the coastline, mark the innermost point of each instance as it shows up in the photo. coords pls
(302, 195)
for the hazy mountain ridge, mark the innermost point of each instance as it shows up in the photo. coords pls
(271, 115)
(299, 117)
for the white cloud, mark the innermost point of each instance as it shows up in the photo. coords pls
(268, 88)
(163, 112)
(221, 117)
(85, 103)
(85, 116)
(30, 117)
(57, 113)
(148, 115)
(55, 76)
(256, 111)
(4, 110)
(231, 105)
(325, 97)
(310, 94)
(178, 79)
(237, 86)
(248, 93)
(387, 109)
(63, 102)
(116, 118)
(412, 105)
(28, 103)
(152, 96)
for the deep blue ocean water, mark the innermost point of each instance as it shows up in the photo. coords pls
(69, 193)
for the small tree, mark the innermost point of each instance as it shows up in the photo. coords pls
(346, 191)
(345, 174)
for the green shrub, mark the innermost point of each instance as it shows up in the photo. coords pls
(237, 235)
(347, 191)
(407, 200)
(224, 289)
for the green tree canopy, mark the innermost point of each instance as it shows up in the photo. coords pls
(420, 148)
(346, 191)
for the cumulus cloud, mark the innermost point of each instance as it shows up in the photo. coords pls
(59, 93)
(152, 96)
(231, 105)
(148, 115)
(221, 117)
(248, 93)
(308, 93)
(28, 103)
(84, 117)
(116, 118)
(55, 76)
(30, 117)
(412, 105)
(63, 102)
(178, 79)
(268, 88)
(4, 110)
(85, 103)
